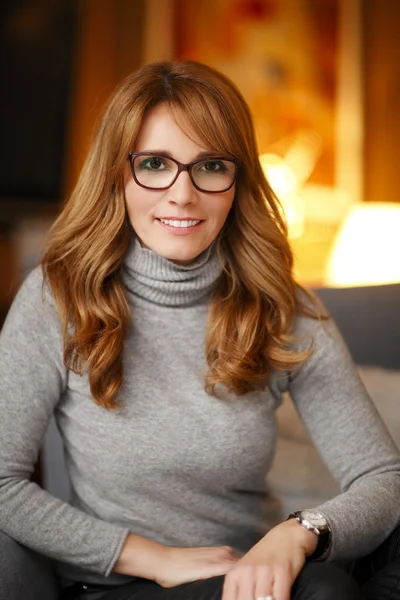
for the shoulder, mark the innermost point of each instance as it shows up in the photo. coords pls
(34, 306)
(31, 289)
(314, 325)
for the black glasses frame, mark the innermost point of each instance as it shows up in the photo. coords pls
(183, 167)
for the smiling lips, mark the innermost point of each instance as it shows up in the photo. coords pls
(180, 226)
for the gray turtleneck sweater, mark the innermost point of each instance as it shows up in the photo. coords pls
(174, 464)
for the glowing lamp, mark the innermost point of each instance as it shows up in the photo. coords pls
(367, 248)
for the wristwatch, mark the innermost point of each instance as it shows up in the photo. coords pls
(318, 524)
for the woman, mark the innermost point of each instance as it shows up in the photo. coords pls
(162, 330)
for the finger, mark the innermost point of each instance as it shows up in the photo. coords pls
(229, 591)
(264, 583)
(233, 556)
(246, 583)
(216, 569)
(282, 584)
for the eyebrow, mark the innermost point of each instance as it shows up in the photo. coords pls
(204, 154)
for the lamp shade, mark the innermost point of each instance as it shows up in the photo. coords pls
(367, 248)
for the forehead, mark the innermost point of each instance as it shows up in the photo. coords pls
(167, 130)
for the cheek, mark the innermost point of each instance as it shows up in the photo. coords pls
(220, 208)
(139, 201)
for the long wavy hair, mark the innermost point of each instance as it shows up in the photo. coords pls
(255, 302)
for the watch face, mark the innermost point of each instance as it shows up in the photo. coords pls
(315, 518)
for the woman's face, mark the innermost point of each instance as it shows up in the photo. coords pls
(147, 209)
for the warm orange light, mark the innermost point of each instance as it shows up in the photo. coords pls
(282, 180)
(367, 248)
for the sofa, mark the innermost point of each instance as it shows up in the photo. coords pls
(370, 323)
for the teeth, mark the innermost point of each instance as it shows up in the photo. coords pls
(174, 223)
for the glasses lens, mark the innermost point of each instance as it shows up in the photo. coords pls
(214, 175)
(154, 171)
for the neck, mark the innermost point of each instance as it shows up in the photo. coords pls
(161, 281)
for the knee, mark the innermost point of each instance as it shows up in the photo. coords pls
(203, 589)
(389, 550)
(324, 581)
(23, 574)
(12, 559)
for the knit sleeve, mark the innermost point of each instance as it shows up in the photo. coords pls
(32, 380)
(352, 440)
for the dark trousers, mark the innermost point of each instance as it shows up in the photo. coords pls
(317, 581)
(25, 575)
(375, 577)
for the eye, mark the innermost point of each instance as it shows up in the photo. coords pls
(152, 163)
(214, 166)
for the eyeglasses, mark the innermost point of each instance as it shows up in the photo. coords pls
(214, 174)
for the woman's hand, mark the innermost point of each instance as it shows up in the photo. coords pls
(169, 566)
(182, 565)
(271, 566)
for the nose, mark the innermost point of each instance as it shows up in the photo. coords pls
(183, 191)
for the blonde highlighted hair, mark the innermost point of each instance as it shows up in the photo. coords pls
(255, 303)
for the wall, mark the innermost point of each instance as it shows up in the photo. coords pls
(381, 20)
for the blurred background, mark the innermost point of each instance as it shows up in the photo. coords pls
(322, 78)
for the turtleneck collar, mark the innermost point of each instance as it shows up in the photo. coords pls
(159, 280)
